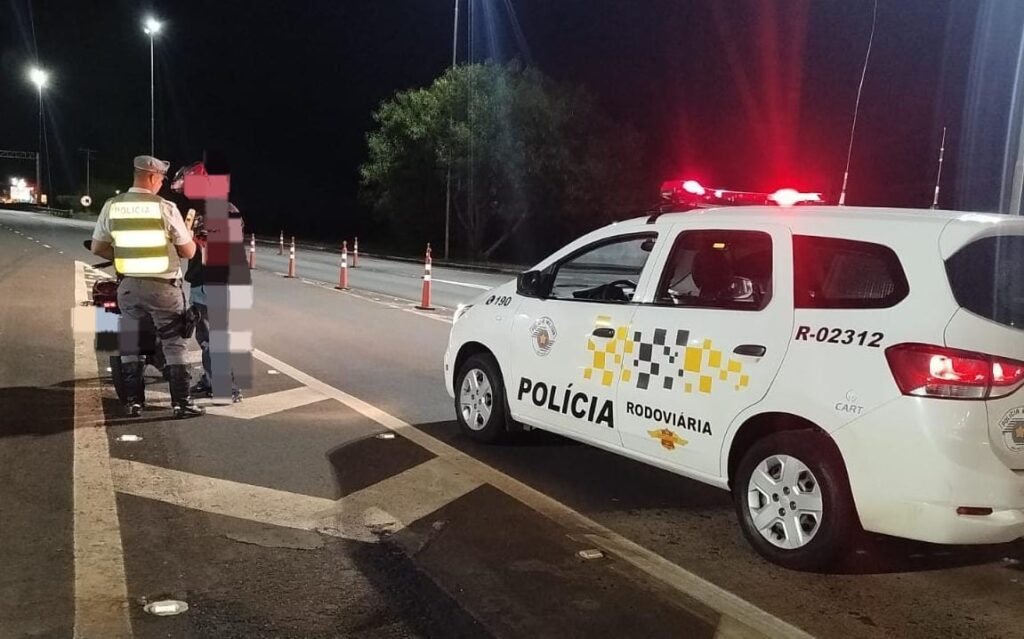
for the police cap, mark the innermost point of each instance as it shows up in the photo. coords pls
(151, 164)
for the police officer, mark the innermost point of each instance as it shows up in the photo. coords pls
(146, 238)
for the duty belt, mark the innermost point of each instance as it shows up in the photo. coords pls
(176, 282)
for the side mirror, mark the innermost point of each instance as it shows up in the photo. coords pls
(530, 284)
(87, 244)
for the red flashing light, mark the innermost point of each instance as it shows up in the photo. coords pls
(791, 197)
(693, 186)
(922, 370)
(693, 194)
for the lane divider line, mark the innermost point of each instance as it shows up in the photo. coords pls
(100, 587)
(397, 307)
(466, 284)
(643, 559)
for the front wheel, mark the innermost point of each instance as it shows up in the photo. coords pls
(480, 400)
(793, 500)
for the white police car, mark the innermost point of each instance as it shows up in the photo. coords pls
(835, 368)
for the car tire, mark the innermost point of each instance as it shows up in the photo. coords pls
(480, 403)
(779, 483)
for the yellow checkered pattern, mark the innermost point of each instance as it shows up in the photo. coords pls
(707, 363)
(608, 360)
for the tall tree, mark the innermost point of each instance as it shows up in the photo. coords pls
(519, 147)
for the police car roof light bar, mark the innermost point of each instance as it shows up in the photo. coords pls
(690, 194)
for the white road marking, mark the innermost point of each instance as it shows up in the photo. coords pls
(410, 495)
(269, 403)
(466, 284)
(101, 596)
(219, 496)
(47, 246)
(407, 308)
(647, 561)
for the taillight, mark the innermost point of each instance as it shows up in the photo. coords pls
(922, 370)
(1007, 376)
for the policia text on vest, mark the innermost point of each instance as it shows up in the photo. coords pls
(141, 244)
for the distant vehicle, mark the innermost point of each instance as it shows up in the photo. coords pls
(836, 369)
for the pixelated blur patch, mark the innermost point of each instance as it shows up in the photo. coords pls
(207, 187)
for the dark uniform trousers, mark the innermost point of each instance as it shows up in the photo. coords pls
(150, 299)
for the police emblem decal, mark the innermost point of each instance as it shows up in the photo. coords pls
(668, 439)
(543, 335)
(1012, 426)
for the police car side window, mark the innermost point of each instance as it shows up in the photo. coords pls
(836, 273)
(608, 271)
(718, 269)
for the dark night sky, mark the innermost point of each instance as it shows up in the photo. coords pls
(755, 94)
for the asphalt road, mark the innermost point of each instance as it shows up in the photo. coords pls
(297, 518)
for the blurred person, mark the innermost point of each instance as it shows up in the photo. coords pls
(195, 275)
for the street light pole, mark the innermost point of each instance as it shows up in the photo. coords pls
(39, 78)
(152, 27)
(448, 179)
(152, 101)
(39, 172)
(88, 156)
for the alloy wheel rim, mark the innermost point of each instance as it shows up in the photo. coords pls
(476, 399)
(784, 502)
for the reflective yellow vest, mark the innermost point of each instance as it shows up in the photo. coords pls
(142, 245)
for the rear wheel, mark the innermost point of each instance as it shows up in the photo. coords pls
(793, 500)
(480, 399)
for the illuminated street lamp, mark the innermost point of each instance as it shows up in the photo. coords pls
(151, 26)
(40, 78)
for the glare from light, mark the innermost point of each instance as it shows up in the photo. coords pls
(152, 26)
(790, 197)
(38, 77)
(694, 187)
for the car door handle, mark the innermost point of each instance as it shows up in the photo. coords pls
(604, 332)
(753, 350)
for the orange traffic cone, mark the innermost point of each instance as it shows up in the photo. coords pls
(252, 252)
(355, 253)
(280, 246)
(425, 301)
(343, 276)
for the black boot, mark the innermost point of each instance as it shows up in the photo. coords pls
(181, 402)
(134, 387)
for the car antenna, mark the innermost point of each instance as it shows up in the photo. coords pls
(856, 108)
(938, 177)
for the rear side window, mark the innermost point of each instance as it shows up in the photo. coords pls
(987, 277)
(835, 273)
